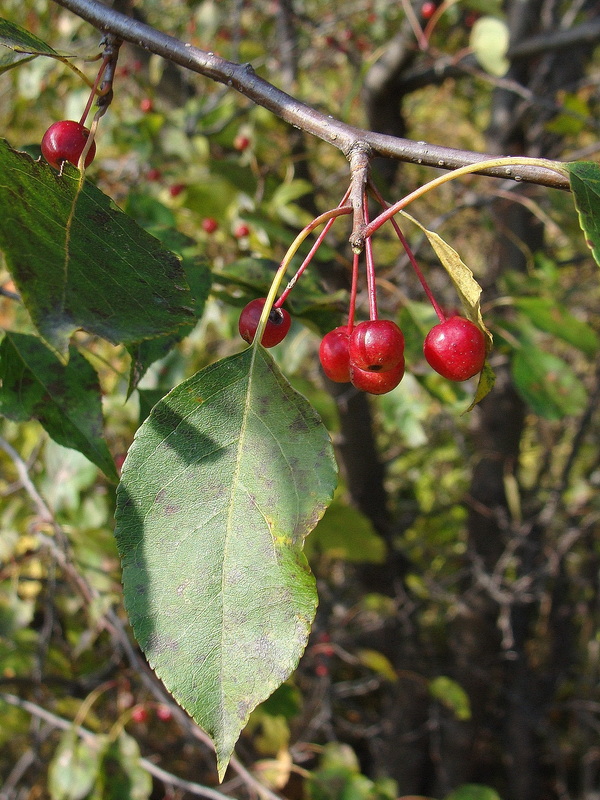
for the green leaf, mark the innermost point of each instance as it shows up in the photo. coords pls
(347, 534)
(452, 695)
(548, 315)
(122, 777)
(65, 398)
(584, 177)
(467, 288)
(74, 768)
(95, 269)
(547, 383)
(145, 353)
(489, 41)
(224, 480)
(22, 41)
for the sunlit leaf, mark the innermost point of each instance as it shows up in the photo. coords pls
(65, 398)
(489, 41)
(95, 269)
(452, 695)
(226, 477)
(74, 768)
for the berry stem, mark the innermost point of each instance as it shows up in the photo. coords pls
(371, 280)
(422, 41)
(435, 17)
(94, 91)
(509, 161)
(353, 291)
(278, 303)
(292, 250)
(411, 256)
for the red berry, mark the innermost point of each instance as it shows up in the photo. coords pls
(176, 189)
(164, 713)
(334, 356)
(64, 141)
(455, 348)
(153, 174)
(241, 230)
(277, 326)
(241, 142)
(146, 105)
(428, 10)
(376, 345)
(139, 714)
(376, 382)
(209, 224)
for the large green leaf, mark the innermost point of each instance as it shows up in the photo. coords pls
(79, 262)
(65, 398)
(584, 177)
(224, 480)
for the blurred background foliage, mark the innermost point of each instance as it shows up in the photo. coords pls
(432, 631)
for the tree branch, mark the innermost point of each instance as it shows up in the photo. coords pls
(243, 79)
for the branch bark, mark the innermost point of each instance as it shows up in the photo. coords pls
(243, 79)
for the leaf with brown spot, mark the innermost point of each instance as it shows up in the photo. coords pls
(215, 501)
(80, 262)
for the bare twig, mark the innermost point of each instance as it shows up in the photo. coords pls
(88, 736)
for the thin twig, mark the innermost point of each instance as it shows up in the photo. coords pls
(92, 738)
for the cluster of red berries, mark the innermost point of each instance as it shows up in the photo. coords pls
(371, 355)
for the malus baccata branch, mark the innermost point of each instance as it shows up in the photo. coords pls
(243, 79)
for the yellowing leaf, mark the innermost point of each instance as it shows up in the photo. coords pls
(461, 276)
(376, 661)
(489, 42)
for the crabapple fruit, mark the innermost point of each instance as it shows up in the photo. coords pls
(277, 326)
(376, 382)
(64, 141)
(334, 355)
(455, 348)
(376, 345)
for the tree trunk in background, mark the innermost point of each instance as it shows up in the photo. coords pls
(502, 745)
